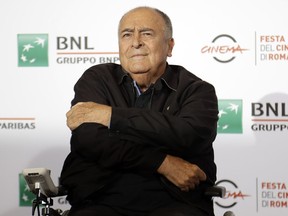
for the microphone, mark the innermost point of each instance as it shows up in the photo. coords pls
(229, 213)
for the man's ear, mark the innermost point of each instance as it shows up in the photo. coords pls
(171, 44)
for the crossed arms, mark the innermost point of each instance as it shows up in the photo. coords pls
(149, 140)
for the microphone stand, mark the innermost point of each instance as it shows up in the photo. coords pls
(42, 200)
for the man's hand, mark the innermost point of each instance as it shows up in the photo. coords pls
(181, 173)
(85, 112)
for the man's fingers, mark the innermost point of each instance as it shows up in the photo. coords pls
(74, 116)
(69, 113)
(76, 110)
(202, 176)
(79, 103)
(183, 174)
(185, 189)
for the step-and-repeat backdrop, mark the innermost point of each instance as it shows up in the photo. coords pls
(239, 46)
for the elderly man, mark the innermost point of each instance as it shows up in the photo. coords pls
(142, 131)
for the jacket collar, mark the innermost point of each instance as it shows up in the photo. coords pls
(168, 78)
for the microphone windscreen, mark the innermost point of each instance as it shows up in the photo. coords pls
(229, 213)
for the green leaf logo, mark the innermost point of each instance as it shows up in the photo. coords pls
(230, 116)
(32, 50)
(26, 197)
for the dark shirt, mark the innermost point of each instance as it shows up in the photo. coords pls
(177, 116)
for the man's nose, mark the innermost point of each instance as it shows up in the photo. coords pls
(137, 42)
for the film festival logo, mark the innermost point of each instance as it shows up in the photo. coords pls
(272, 48)
(224, 48)
(33, 50)
(232, 196)
(230, 116)
(272, 194)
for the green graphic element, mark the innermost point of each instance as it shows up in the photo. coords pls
(26, 197)
(32, 50)
(230, 116)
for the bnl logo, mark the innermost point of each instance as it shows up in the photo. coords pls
(26, 197)
(32, 50)
(230, 116)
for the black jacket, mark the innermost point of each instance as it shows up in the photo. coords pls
(181, 121)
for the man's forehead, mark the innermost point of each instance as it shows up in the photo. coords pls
(141, 24)
(141, 17)
(141, 12)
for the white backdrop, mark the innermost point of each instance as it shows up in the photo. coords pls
(252, 36)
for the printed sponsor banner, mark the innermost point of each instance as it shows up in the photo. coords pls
(242, 48)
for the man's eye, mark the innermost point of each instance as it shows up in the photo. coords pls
(126, 35)
(147, 33)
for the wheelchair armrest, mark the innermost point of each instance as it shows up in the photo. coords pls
(215, 191)
(61, 191)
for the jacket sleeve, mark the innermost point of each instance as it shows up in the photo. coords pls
(188, 127)
(96, 143)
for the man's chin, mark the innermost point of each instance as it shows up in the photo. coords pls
(140, 76)
(138, 69)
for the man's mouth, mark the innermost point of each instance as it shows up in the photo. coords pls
(138, 55)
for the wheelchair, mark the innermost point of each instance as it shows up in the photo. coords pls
(41, 184)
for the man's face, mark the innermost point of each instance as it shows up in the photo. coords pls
(143, 45)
